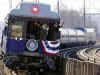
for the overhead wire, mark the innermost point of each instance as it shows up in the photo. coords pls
(62, 5)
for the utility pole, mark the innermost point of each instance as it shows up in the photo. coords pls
(21, 0)
(36, 1)
(58, 7)
(10, 4)
(84, 20)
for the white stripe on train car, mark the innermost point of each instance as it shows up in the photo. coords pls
(53, 43)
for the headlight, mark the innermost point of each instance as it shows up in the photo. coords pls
(32, 45)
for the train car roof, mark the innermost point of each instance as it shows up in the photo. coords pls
(25, 11)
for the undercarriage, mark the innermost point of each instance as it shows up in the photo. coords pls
(34, 65)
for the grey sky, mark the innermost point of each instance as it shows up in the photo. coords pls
(91, 5)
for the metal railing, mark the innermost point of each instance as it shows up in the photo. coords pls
(77, 67)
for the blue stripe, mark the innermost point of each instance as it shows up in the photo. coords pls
(15, 46)
(80, 28)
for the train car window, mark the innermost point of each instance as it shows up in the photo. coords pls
(33, 30)
(17, 29)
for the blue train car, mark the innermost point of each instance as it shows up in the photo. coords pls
(30, 37)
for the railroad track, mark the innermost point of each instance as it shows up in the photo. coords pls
(91, 54)
(83, 52)
(71, 52)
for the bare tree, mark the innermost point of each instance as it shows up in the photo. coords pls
(74, 18)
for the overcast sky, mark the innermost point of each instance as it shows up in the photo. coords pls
(92, 6)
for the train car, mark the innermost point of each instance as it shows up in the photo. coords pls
(71, 37)
(91, 36)
(31, 35)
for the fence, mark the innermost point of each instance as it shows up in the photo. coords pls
(76, 67)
